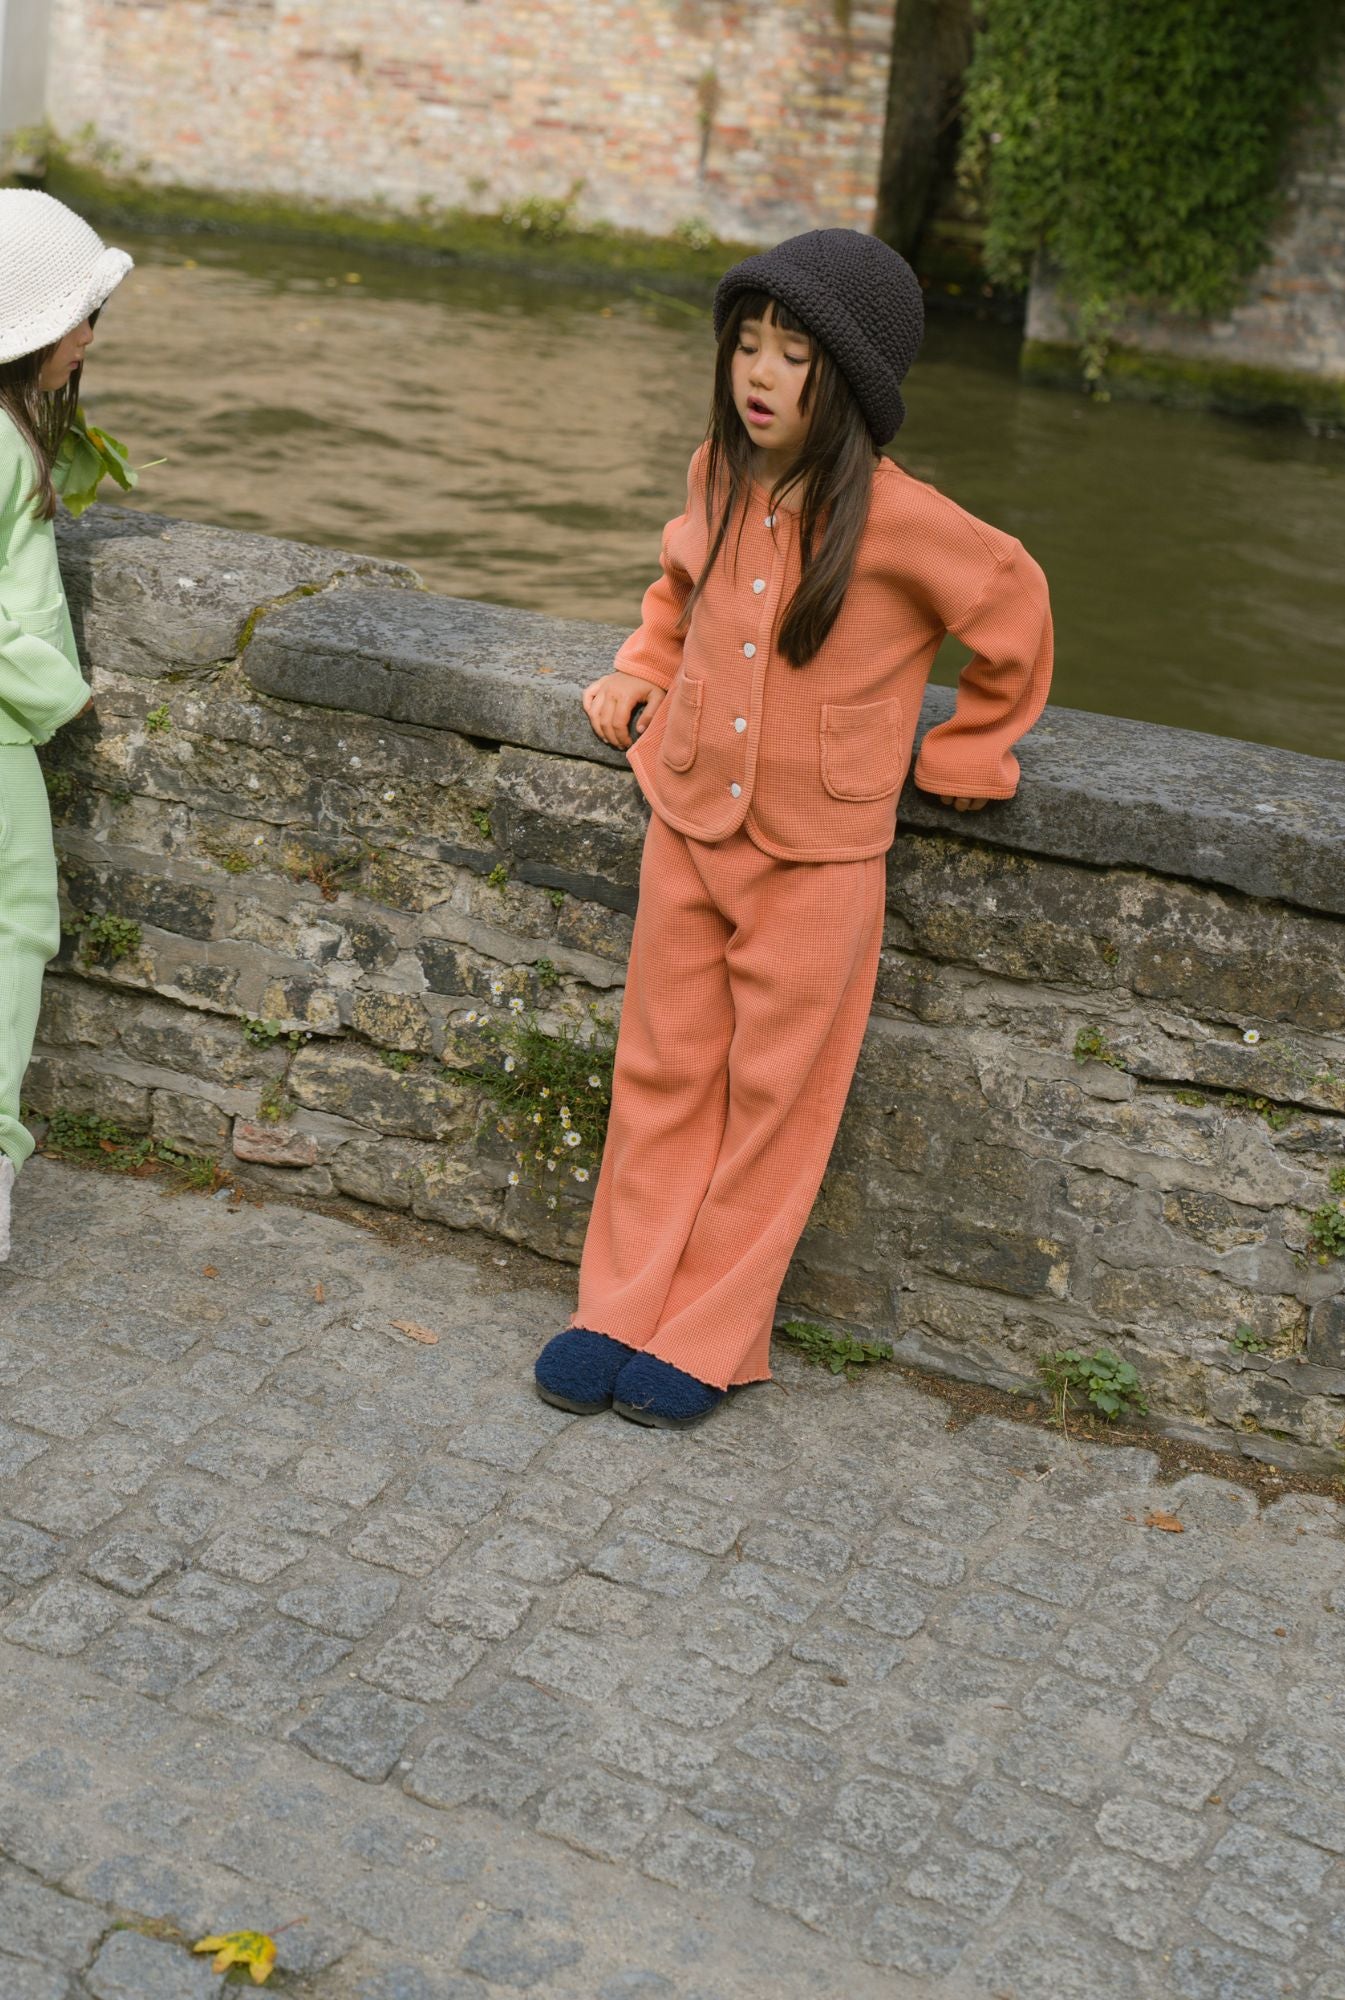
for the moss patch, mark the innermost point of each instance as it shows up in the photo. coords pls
(1186, 383)
(593, 254)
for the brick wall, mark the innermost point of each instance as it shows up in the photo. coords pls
(759, 118)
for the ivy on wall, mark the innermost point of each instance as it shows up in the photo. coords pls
(1136, 144)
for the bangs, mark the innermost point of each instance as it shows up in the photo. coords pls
(762, 305)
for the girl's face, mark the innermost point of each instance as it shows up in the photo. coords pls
(66, 357)
(770, 369)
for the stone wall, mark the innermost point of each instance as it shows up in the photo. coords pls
(1282, 346)
(1104, 1087)
(759, 120)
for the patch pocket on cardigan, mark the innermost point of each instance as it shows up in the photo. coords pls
(861, 749)
(682, 733)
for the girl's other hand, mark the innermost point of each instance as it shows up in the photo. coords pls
(610, 702)
(963, 805)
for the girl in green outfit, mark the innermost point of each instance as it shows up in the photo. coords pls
(55, 275)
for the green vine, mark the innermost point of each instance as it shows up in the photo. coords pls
(552, 1092)
(1137, 146)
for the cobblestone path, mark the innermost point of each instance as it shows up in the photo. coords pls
(311, 1627)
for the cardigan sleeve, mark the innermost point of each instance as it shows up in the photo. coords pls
(654, 652)
(1002, 690)
(39, 688)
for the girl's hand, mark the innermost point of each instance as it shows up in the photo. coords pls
(610, 702)
(963, 805)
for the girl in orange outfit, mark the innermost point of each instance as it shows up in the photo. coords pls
(780, 665)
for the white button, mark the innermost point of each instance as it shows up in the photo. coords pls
(736, 790)
(740, 723)
(759, 585)
(750, 650)
(770, 520)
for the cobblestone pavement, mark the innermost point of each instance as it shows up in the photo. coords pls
(310, 1627)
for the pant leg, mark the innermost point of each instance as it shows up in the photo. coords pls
(669, 1096)
(802, 963)
(29, 928)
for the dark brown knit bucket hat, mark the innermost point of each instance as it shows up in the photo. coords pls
(858, 297)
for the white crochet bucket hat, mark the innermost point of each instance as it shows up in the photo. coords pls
(54, 271)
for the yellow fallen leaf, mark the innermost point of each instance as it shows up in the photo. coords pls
(250, 1948)
(415, 1332)
(1169, 1523)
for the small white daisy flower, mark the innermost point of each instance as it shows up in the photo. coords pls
(581, 1173)
(388, 797)
(572, 1138)
(510, 1064)
(473, 1018)
(515, 1006)
(544, 1092)
(513, 1180)
(551, 1166)
(536, 1117)
(595, 1083)
(551, 1201)
(258, 839)
(1251, 1036)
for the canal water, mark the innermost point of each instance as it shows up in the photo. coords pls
(525, 442)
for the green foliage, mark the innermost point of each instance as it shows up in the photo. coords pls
(557, 897)
(1246, 1340)
(399, 1059)
(1195, 1097)
(88, 1140)
(1326, 1227)
(1137, 145)
(261, 1034)
(86, 457)
(273, 1105)
(61, 785)
(1091, 1046)
(547, 975)
(1102, 1379)
(158, 720)
(1336, 1180)
(106, 940)
(1277, 1116)
(481, 821)
(543, 216)
(499, 875)
(840, 1353)
(552, 1092)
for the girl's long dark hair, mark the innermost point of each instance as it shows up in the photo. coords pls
(833, 472)
(42, 416)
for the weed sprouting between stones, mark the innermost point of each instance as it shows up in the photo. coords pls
(82, 1137)
(105, 940)
(1326, 1223)
(1102, 1379)
(1090, 1045)
(839, 1353)
(552, 1091)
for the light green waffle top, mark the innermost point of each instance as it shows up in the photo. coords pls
(41, 686)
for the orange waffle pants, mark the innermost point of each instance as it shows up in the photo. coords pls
(749, 990)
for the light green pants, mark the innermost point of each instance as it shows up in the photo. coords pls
(30, 928)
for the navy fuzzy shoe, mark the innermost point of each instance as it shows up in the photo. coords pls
(653, 1392)
(577, 1370)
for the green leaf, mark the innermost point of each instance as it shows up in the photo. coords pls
(86, 457)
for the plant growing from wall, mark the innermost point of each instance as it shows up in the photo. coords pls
(552, 1092)
(1136, 145)
(106, 940)
(1326, 1223)
(1101, 1379)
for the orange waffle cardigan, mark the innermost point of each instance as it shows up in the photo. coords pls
(810, 760)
